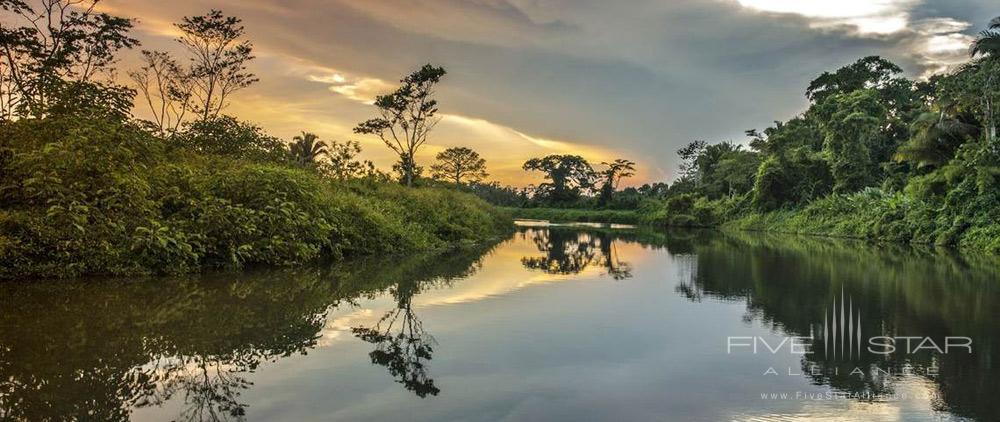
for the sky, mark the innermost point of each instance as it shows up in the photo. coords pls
(632, 79)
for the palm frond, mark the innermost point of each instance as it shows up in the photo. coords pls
(995, 23)
(987, 44)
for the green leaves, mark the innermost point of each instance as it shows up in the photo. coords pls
(458, 164)
(568, 175)
(406, 117)
(53, 68)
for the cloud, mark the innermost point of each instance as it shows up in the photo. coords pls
(529, 77)
(937, 44)
(868, 16)
(361, 89)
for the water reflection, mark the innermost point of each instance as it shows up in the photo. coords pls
(571, 250)
(193, 347)
(792, 283)
(96, 350)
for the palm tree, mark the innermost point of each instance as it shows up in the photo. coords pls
(935, 139)
(988, 41)
(307, 148)
(987, 44)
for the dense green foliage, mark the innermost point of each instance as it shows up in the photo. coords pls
(875, 156)
(85, 188)
(86, 196)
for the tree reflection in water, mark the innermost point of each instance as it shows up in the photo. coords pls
(572, 250)
(98, 350)
(401, 344)
(789, 283)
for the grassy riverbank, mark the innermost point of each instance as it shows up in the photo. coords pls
(967, 220)
(874, 215)
(560, 215)
(87, 196)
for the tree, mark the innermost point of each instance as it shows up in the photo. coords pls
(721, 169)
(407, 172)
(791, 179)
(852, 126)
(616, 171)
(306, 149)
(987, 44)
(988, 41)
(59, 50)
(799, 132)
(459, 163)
(567, 175)
(342, 163)
(218, 62)
(406, 116)
(934, 140)
(736, 171)
(869, 72)
(689, 154)
(167, 89)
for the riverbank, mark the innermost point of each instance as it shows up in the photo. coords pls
(869, 215)
(570, 215)
(86, 196)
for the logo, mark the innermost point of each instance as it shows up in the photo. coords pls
(840, 337)
(841, 332)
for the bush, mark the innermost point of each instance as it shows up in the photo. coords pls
(104, 197)
(228, 137)
(791, 180)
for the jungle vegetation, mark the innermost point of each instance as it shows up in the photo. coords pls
(86, 188)
(875, 155)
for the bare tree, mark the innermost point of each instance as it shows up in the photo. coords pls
(406, 116)
(8, 92)
(166, 88)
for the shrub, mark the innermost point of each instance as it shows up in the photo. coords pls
(228, 137)
(104, 197)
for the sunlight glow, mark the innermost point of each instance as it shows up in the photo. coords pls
(829, 9)
(868, 16)
(360, 89)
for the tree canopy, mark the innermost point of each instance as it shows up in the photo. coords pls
(458, 165)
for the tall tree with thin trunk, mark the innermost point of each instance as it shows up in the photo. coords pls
(218, 60)
(406, 117)
(617, 170)
(459, 164)
(987, 45)
(166, 88)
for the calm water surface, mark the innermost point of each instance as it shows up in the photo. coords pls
(555, 323)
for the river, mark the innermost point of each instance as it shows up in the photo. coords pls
(554, 323)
